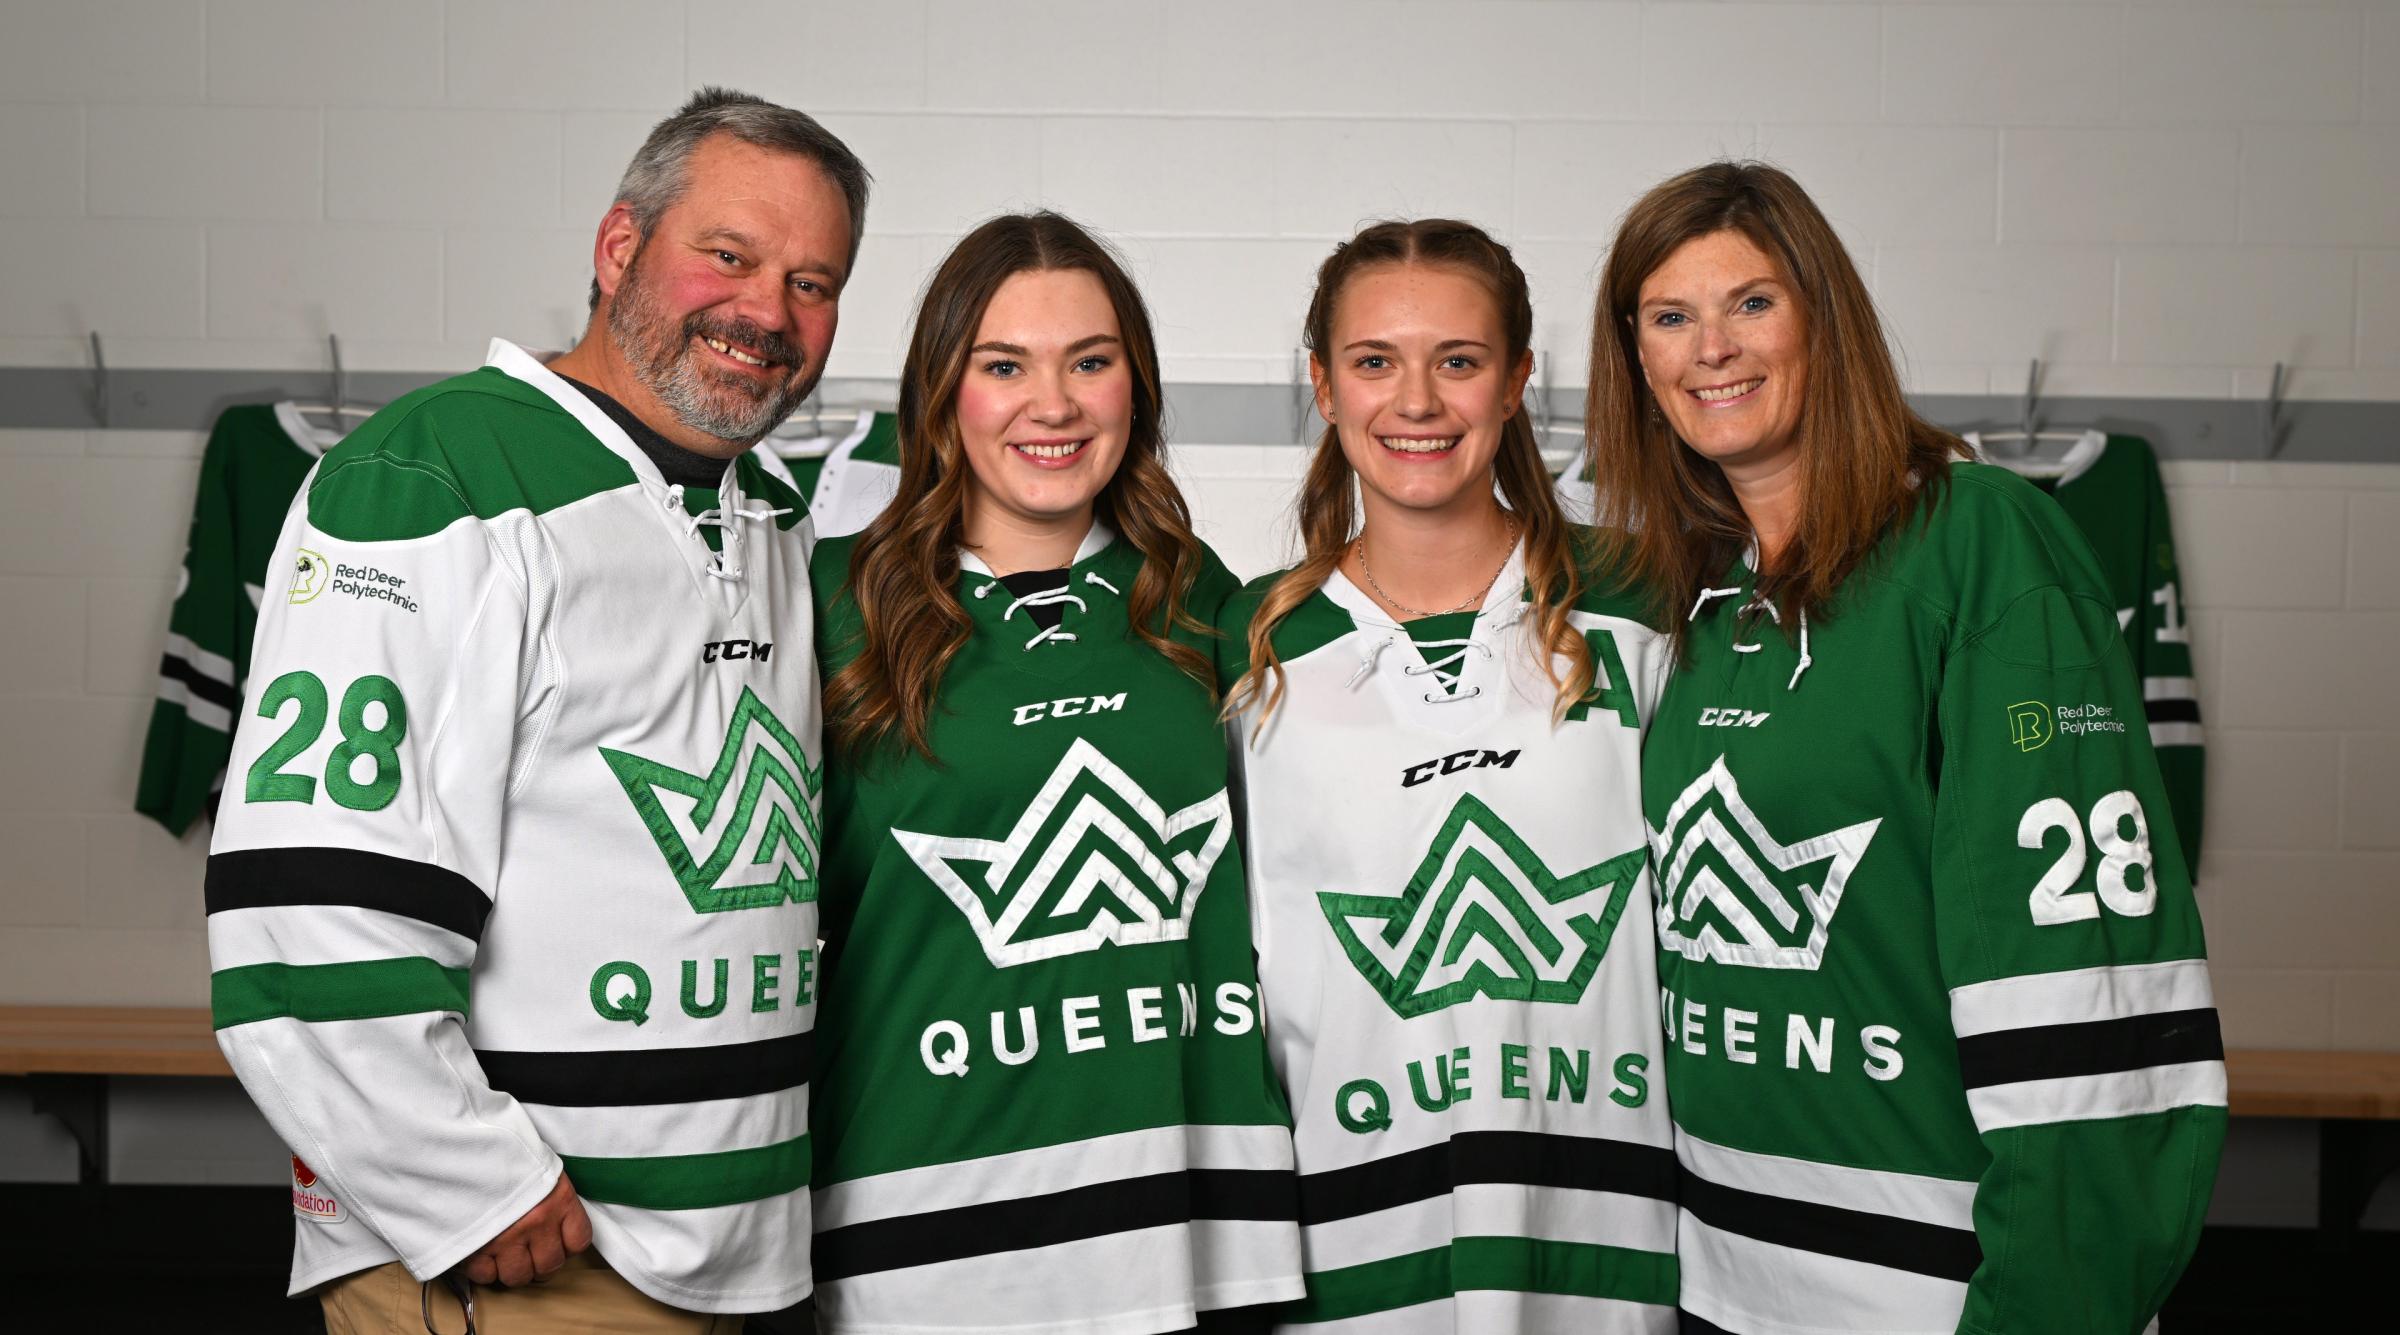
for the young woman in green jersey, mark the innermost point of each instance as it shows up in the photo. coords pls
(1943, 1051)
(1042, 1098)
(1441, 713)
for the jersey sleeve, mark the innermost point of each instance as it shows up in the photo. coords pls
(199, 682)
(2071, 948)
(2161, 642)
(360, 836)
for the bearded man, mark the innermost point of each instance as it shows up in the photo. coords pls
(547, 740)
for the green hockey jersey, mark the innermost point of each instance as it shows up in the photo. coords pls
(1943, 1051)
(2110, 486)
(1458, 964)
(847, 477)
(1043, 1102)
(256, 457)
(516, 868)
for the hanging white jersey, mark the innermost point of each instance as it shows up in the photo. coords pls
(848, 477)
(1456, 958)
(516, 868)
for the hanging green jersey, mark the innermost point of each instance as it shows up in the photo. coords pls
(256, 457)
(2110, 486)
(1944, 1055)
(1456, 951)
(1043, 1102)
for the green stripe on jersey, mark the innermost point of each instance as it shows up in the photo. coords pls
(317, 993)
(480, 444)
(693, 1181)
(1517, 1265)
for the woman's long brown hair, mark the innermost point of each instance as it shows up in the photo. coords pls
(1328, 509)
(1666, 514)
(904, 567)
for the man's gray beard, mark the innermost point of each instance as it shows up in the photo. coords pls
(659, 349)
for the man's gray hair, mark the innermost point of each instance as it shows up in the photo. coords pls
(656, 177)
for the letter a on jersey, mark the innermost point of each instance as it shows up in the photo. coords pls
(1483, 916)
(1092, 860)
(745, 835)
(1723, 871)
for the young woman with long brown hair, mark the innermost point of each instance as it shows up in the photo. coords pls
(1042, 1101)
(1988, 1095)
(1440, 712)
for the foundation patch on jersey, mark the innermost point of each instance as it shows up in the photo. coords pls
(1092, 861)
(309, 1199)
(1735, 895)
(1483, 915)
(745, 834)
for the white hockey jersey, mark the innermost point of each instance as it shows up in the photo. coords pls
(517, 862)
(1455, 938)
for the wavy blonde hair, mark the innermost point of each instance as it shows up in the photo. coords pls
(1329, 518)
(904, 566)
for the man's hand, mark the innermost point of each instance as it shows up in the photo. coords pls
(537, 1244)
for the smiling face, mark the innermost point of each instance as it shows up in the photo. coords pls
(726, 311)
(1045, 407)
(1416, 380)
(1724, 348)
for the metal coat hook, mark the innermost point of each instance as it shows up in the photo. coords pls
(1303, 395)
(99, 382)
(2271, 438)
(341, 381)
(2027, 420)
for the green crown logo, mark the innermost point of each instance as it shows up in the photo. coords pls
(754, 814)
(1483, 916)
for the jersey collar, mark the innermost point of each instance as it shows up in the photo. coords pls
(1095, 541)
(518, 364)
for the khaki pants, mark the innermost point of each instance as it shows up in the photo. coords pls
(584, 1296)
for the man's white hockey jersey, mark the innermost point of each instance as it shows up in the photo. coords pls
(1456, 954)
(516, 865)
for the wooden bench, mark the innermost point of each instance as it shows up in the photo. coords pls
(65, 1055)
(2346, 1093)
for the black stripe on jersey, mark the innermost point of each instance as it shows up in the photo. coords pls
(1520, 1158)
(2090, 1047)
(267, 878)
(645, 1076)
(200, 684)
(1098, 1210)
(1829, 1230)
(1687, 1324)
(2172, 711)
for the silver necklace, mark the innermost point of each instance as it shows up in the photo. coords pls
(1507, 549)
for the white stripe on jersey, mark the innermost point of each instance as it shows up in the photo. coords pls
(1113, 1272)
(654, 1130)
(1051, 1168)
(2176, 734)
(2170, 688)
(2074, 996)
(1759, 1288)
(215, 717)
(1927, 1200)
(215, 667)
(327, 934)
(2084, 1098)
(1493, 1210)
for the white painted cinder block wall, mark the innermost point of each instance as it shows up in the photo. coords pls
(2157, 198)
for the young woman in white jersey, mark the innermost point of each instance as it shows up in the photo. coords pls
(1440, 711)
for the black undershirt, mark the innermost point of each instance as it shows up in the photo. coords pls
(1024, 583)
(680, 466)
